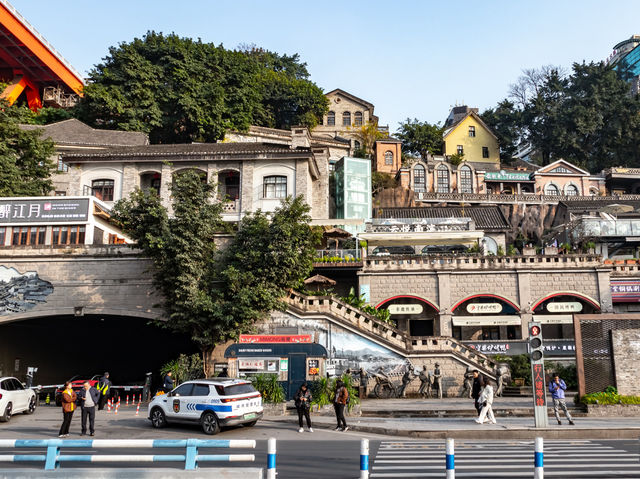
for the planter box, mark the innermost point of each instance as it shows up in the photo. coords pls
(619, 261)
(551, 250)
(529, 251)
(631, 261)
(278, 409)
(608, 261)
(613, 410)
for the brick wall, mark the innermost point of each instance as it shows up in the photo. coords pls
(626, 355)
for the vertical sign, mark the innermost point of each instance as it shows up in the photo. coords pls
(536, 351)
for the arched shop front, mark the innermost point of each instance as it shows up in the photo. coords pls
(556, 311)
(486, 317)
(413, 314)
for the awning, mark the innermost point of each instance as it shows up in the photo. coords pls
(553, 318)
(427, 238)
(503, 320)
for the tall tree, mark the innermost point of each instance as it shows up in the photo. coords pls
(367, 135)
(506, 122)
(25, 158)
(421, 138)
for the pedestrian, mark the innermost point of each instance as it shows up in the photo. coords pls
(303, 405)
(68, 406)
(104, 386)
(486, 401)
(557, 387)
(339, 403)
(88, 398)
(167, 385)
(476, 389)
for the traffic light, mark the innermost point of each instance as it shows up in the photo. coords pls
(536, 354)
(535, 342)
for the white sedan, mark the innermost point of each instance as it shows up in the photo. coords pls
(14, 399)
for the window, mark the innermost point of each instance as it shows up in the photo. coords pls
(183, 390)
(485, 152)
(331, 118)
(275, 187)
(20, 236)
(63, 235)
(442, 179)
(102, 189)
(356, 145)
(472, 132)
(346, 118)
(357, 118)
(490, 333)
(419, 179)
(460, 150)
(466, 182)
(61, 193)
(200, 390)
(551, 189)
(388, 158)
(62, 166)
(25, 235)
(3, 234)
(571, 190)
(560, 169)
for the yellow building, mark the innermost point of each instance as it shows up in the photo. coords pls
(466, 133)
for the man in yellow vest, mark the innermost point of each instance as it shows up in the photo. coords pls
(104, 384)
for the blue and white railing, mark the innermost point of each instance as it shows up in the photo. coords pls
(191, 458)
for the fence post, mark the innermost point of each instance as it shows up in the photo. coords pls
(539, 459)
(191, 455)
(51, 460)
(271, 458)
(450, 461)
(364, 458)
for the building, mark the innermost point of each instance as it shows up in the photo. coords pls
(353, 190)
(387, 156)
(466, 134)
(626, 60)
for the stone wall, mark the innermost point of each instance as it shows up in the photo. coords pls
(626, 356)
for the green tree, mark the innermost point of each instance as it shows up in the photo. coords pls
(505, 121)
(380, 181)
(25, 158)
(421, 138)
(456, 159)
(367, 135)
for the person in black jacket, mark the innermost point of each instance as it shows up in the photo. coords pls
(476, 389)
(104, 390)
(168, 382)
(88, 398)
(303, 405)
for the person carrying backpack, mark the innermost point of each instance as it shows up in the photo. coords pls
(340, 401)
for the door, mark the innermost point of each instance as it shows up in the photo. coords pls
(176, 407)
(297, 372)
(21, 396)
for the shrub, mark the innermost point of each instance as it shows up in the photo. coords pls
(323, 391)
(270, 388)
(567, 373)
(184, 368)
(609, 398)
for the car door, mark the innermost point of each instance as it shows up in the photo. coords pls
(21, 396)
(177, 401)
(7, 388)
(200, 398)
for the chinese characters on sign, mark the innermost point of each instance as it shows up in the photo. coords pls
(251, 364)
(477, 308)
(56, 210)
(625, 291)
(405, 309)
(491, 347)
(570, 307)
(314, 367)
(538, 385)
(269, 338)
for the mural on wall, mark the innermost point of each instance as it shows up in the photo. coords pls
(20, 292)
(346, 350)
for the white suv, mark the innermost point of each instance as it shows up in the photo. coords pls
(14, 398)
(213, 403)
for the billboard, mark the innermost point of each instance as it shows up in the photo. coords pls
(54, 210)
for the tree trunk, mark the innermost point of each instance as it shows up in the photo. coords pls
(208, 362)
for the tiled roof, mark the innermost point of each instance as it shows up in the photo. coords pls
(74, 132)
(488, 218)
(587, 206)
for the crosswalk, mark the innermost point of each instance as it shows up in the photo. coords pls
(512, 459)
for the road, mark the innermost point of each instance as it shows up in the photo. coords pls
(335, 455)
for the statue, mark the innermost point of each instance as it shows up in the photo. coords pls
(437, 380)
(467, 384)
(406, 379)
(504, 377)
(425, 383)
(363, 381)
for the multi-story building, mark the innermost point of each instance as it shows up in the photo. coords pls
(626, 60)
(466, 134)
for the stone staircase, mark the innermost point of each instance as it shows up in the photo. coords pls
(383, 333)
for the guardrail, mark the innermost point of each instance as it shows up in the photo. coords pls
(191, 458)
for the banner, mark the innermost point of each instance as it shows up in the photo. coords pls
(270, 338)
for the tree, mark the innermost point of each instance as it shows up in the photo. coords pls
(25, 158)
(456, 159)
(505, 120)
(530, 83)
(180, 90)
(380, 181)
(421, 138)
(367, 135)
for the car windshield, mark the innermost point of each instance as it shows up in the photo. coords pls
(233, 389)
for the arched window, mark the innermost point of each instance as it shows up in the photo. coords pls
(466, 180)
(594, 191)
(275, 187)
(442, 179)
(357, 118)
(346, 118)
(571, 190)
(331, 118)
(102, 189)
(419, 179)
(388, 158)
(551, 189)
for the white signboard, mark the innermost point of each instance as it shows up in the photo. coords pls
(569, 307)
(250, 363)
(553, 318)
(478, 308)
(486, 321)
(405, 309)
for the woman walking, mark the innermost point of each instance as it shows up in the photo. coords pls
(486, 400)
(303, 405)
(339, 403)
(68, 406)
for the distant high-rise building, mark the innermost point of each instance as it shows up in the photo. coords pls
(626, 60)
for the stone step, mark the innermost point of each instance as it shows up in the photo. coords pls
(443, 413)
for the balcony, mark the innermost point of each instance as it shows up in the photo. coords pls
(231, 206)
(529, 198)
(340, 258)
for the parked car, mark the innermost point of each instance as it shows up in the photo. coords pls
(15, 398)
(389, 250)
(212, 403)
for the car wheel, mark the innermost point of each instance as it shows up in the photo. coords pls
(32, 406)
(158, 418)
(210, 424)
(7, 414)
(251, 424)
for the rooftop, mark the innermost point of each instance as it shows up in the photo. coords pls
(74, 132)
(486, 218)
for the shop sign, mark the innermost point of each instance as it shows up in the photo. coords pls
(506, 176)
(250, 363)
(270, 338)
(54, 210)
(487, 321)
(314, 367)
(272, 366)
(556, 348)
(553, 318)
(405, 309)
(284, 364)
(568, 307)
(478, 308)
(625, 291)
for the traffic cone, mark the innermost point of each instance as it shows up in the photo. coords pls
(108, 405)
(47, 401)
(138, 409)
(117, 407)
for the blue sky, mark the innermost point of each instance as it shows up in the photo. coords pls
(409, 58)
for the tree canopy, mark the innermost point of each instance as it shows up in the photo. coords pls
(421, 138)
(180, 90)
(25, 158)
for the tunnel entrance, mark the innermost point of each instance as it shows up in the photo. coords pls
(64, 346)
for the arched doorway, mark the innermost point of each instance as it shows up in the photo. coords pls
(555, 312)
(486, 317)
(412, 314)
(150, 180)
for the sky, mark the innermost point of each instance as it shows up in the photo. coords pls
(411, 59)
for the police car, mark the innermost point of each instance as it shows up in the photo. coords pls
(213, 403)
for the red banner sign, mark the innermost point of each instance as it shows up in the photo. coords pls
(270, 338)
(539, 385)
